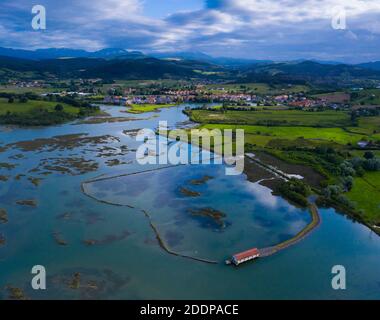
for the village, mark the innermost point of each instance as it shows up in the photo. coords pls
(296, 100)
(160, 93)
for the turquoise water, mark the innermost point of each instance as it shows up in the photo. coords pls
(126, 261)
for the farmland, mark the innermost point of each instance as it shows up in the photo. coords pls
(274, 117)
(30, 105)
(366, 97)
(325, 141)
(24, 112)
(335, 97)
(142, 108)
(257, 88)
(22, 90)
(262, 135)
(366, 195)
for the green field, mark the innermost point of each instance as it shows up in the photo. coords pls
(261, 135)
(293, 137)
(18, 90)
(142, 108)
(366, 97)
(274, 117)
(144, 84)
(18, 107)
(366, 195)
(372, 124)
(360, 153)
(257, 88)
(251, 108)
(369, 126)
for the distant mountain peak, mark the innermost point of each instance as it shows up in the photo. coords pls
(58, 53)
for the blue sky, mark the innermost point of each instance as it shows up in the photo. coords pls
(257, 29)
(161, 9)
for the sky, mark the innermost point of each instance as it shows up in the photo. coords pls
(252, 29)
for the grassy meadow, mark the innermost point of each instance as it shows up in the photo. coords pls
(143, 108)
(262, 135)
(293, 137)
(366, 195)
(30, 105)
(257, 88)
(274, 117)
(366, 97)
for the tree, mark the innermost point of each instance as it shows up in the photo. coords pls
(354, 118)
(23, 99)
(224, 107)
(346, 169)
(372, 164)
(58, 108)
(348, 182)
(369, 155)
(296, 191)
(344, 201)
(332, 191)
(11, 100)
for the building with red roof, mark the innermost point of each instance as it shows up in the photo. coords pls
(245, 256)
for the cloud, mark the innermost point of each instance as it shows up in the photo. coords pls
(262, 29)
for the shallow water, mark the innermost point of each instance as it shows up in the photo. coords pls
(115, 247)
(246, 223)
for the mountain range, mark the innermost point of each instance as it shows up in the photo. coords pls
(113, 63)
(60, 53)
(371, 65)
(127, 68)
(113, 53)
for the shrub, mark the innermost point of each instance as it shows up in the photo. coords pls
(360, 172)
(332, 191)
(345, 202)
(357, 163)
(369, 155)
(347, 182)
(372, 164)
(58, 107)
(346, 169)
(295, 190)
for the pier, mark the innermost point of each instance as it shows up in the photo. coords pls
(245, 256)
(238, 258)
(268, 251)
